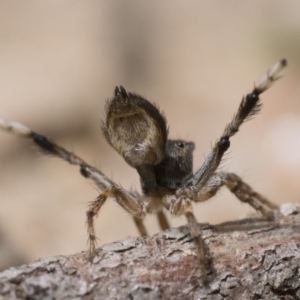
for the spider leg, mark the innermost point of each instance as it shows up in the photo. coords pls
(197, 235)
(162, 220)
(246, 194)
(140, 226)
(240, 189)
(124, 199)
(182, 206)
(205, 184)
(50, 147)
(249, 106)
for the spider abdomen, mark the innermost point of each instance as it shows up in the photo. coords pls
(135, 128)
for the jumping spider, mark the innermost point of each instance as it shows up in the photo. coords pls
(138, 131)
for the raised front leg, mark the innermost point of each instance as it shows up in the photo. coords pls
(249, 106)
(50, 147)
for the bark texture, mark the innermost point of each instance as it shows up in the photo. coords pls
(248, 259)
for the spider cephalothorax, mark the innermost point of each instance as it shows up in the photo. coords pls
(138, 131)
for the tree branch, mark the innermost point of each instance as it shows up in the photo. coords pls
(248, 259)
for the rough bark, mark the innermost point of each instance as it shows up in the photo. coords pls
(249, 259)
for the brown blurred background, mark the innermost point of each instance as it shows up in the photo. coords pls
(60, 61)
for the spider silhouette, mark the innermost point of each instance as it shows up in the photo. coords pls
(138, 131)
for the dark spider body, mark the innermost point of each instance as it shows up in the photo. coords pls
(176, 168)
(138, 131)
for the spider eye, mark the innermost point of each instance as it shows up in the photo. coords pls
(181, 145)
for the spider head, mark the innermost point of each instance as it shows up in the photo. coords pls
(180, 148)
(177, 166)
(182, 153)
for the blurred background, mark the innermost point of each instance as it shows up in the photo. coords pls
(60, 61)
